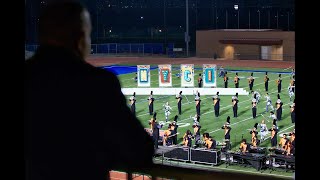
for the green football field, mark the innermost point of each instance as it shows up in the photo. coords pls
(240, 126)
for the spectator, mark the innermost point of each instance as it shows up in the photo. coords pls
(70, 132)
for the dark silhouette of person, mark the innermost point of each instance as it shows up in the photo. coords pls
(77, 123)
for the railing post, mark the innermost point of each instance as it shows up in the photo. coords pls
(129, 176)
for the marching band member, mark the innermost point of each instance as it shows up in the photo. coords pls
(266, 81)
(279, 108)
(225, 79)
(288, 148)
(135, 78)
(254, 132)
(227, 129)
(244, 146)
(167, 109)
(222, 72)
(236, 81)
(196, 130)
(175, 130)
(274, 132)
(293, 83)
(198, 101)
(155, 126)
(167, 136)
(293, 113)
(279, 81)
(263, 130)
(255, 142)
(200, 81)
(293, 141)
(282, 142)
(210, 143)
(179, 99)
(256, 95)
(187, 138)
(251, 80)
(133, 103)
(151, 99)
(290, 91)
(269, 103)
(235, 105)
(216, 104)
(254, 108)
(293, 72)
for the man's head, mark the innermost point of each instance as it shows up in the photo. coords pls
(67, 25)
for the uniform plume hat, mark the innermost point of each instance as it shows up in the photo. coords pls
(278, 96)
(252, 74)
(134, 93)
(155, 115)
(279, 75)
(236, 73)
(151, 92)
(180, 92)
(266, 73)
(256, 125)
(237, 94)
(218, 93)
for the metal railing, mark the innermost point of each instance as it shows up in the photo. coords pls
(188, 173)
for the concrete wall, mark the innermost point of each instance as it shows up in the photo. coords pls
(207, 43)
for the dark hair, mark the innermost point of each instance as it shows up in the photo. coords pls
(205, 135)
(61, 21)
(244, 140)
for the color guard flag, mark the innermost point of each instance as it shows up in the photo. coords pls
(143, 75)
(187, 75)
(209, 75)
(165, 77)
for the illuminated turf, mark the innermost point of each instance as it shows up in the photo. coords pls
(210, 123)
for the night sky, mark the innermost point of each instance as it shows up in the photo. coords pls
(143, 21)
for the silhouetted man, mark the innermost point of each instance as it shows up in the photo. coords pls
(69, 130)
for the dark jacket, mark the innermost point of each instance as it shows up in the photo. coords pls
(77, 123)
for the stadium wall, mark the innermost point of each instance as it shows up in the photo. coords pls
(246, 44)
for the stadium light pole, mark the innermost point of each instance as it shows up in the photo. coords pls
(236, 7)
(187, 28)
(259, 18)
